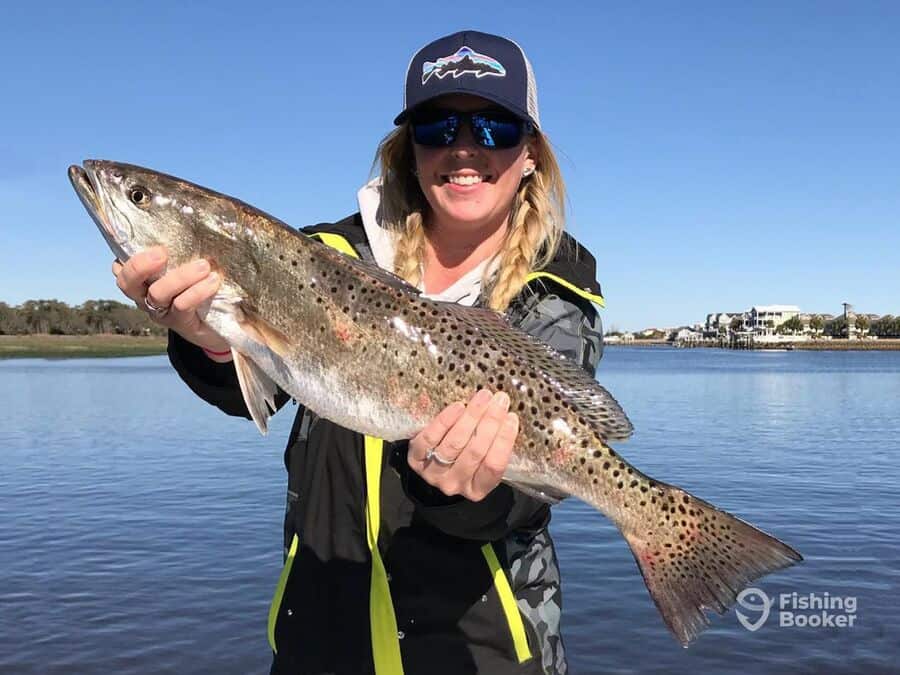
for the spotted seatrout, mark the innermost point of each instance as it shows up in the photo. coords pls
(364, 349)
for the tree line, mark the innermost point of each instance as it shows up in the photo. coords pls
(91, 317)
(886, 326)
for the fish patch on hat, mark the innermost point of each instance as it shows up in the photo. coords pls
(466, 61)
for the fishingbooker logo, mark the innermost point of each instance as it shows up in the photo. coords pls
(796, 610)
(465, 61)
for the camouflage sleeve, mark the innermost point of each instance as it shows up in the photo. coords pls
(215, 383)
(570, 325)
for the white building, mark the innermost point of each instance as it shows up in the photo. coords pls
(764, 319)
(720, 323)
(687, 335)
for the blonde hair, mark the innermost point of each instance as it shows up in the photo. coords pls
(536, 219)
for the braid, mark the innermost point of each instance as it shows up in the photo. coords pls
(410, 249)
(534, 232)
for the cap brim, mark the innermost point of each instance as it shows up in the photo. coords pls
(499, 100)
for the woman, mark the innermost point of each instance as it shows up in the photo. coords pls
(420, 560)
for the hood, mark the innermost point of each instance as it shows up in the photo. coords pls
(466, 289)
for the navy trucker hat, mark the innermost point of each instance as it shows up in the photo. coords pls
(470, 62)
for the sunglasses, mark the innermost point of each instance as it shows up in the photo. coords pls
(492, 129)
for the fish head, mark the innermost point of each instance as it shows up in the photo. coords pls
(136, 208)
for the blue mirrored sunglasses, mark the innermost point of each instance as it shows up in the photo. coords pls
(493, 129)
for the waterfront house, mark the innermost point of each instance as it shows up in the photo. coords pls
(764, 319)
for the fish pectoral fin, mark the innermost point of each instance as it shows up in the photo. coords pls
(258, 389)
(545, 493)
(262, 331)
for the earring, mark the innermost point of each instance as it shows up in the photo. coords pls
(527, 171)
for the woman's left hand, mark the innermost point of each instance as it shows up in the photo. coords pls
(466, 448)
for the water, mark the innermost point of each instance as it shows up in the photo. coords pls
(140, 528)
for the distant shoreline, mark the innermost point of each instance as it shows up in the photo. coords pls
(79, 346)
(811, 346)
(112, 346)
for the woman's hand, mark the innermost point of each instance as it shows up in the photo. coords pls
(466, 448)
(177, 294)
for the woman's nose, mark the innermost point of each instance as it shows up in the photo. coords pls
(465, 145)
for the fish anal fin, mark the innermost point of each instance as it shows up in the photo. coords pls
(257, 388)
(534, 488)
(263, 332)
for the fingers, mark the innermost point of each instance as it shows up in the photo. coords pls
(491, 469)
(460, 434)
(132, 276)
(182, 289)
(431, 436)
(475, 432)
(477, 441)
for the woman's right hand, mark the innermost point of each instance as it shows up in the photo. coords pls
(181, 290)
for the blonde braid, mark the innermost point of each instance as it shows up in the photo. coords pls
(536, 225)
(402, 203)
(410, 249)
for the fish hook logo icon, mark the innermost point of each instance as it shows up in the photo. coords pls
(747, 599)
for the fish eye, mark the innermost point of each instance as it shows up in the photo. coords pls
(139, 196)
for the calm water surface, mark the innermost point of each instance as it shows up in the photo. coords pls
(140, 529)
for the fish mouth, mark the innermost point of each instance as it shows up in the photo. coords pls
(85, 182)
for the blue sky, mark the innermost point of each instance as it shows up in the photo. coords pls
(717, 155)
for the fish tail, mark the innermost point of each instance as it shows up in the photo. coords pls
(695, 557)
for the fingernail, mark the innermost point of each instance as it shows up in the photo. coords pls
(512, 420)
(201, 265)
(502, 399)
(483, 396)
(213, 278)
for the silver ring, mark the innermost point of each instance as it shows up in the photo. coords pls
(158, 312)
(432, 454)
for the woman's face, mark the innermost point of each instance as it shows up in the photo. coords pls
(470, 187)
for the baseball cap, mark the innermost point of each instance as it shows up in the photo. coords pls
(470, 62)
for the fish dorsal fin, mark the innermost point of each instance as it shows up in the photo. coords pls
(257, 388)
(594, 403)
